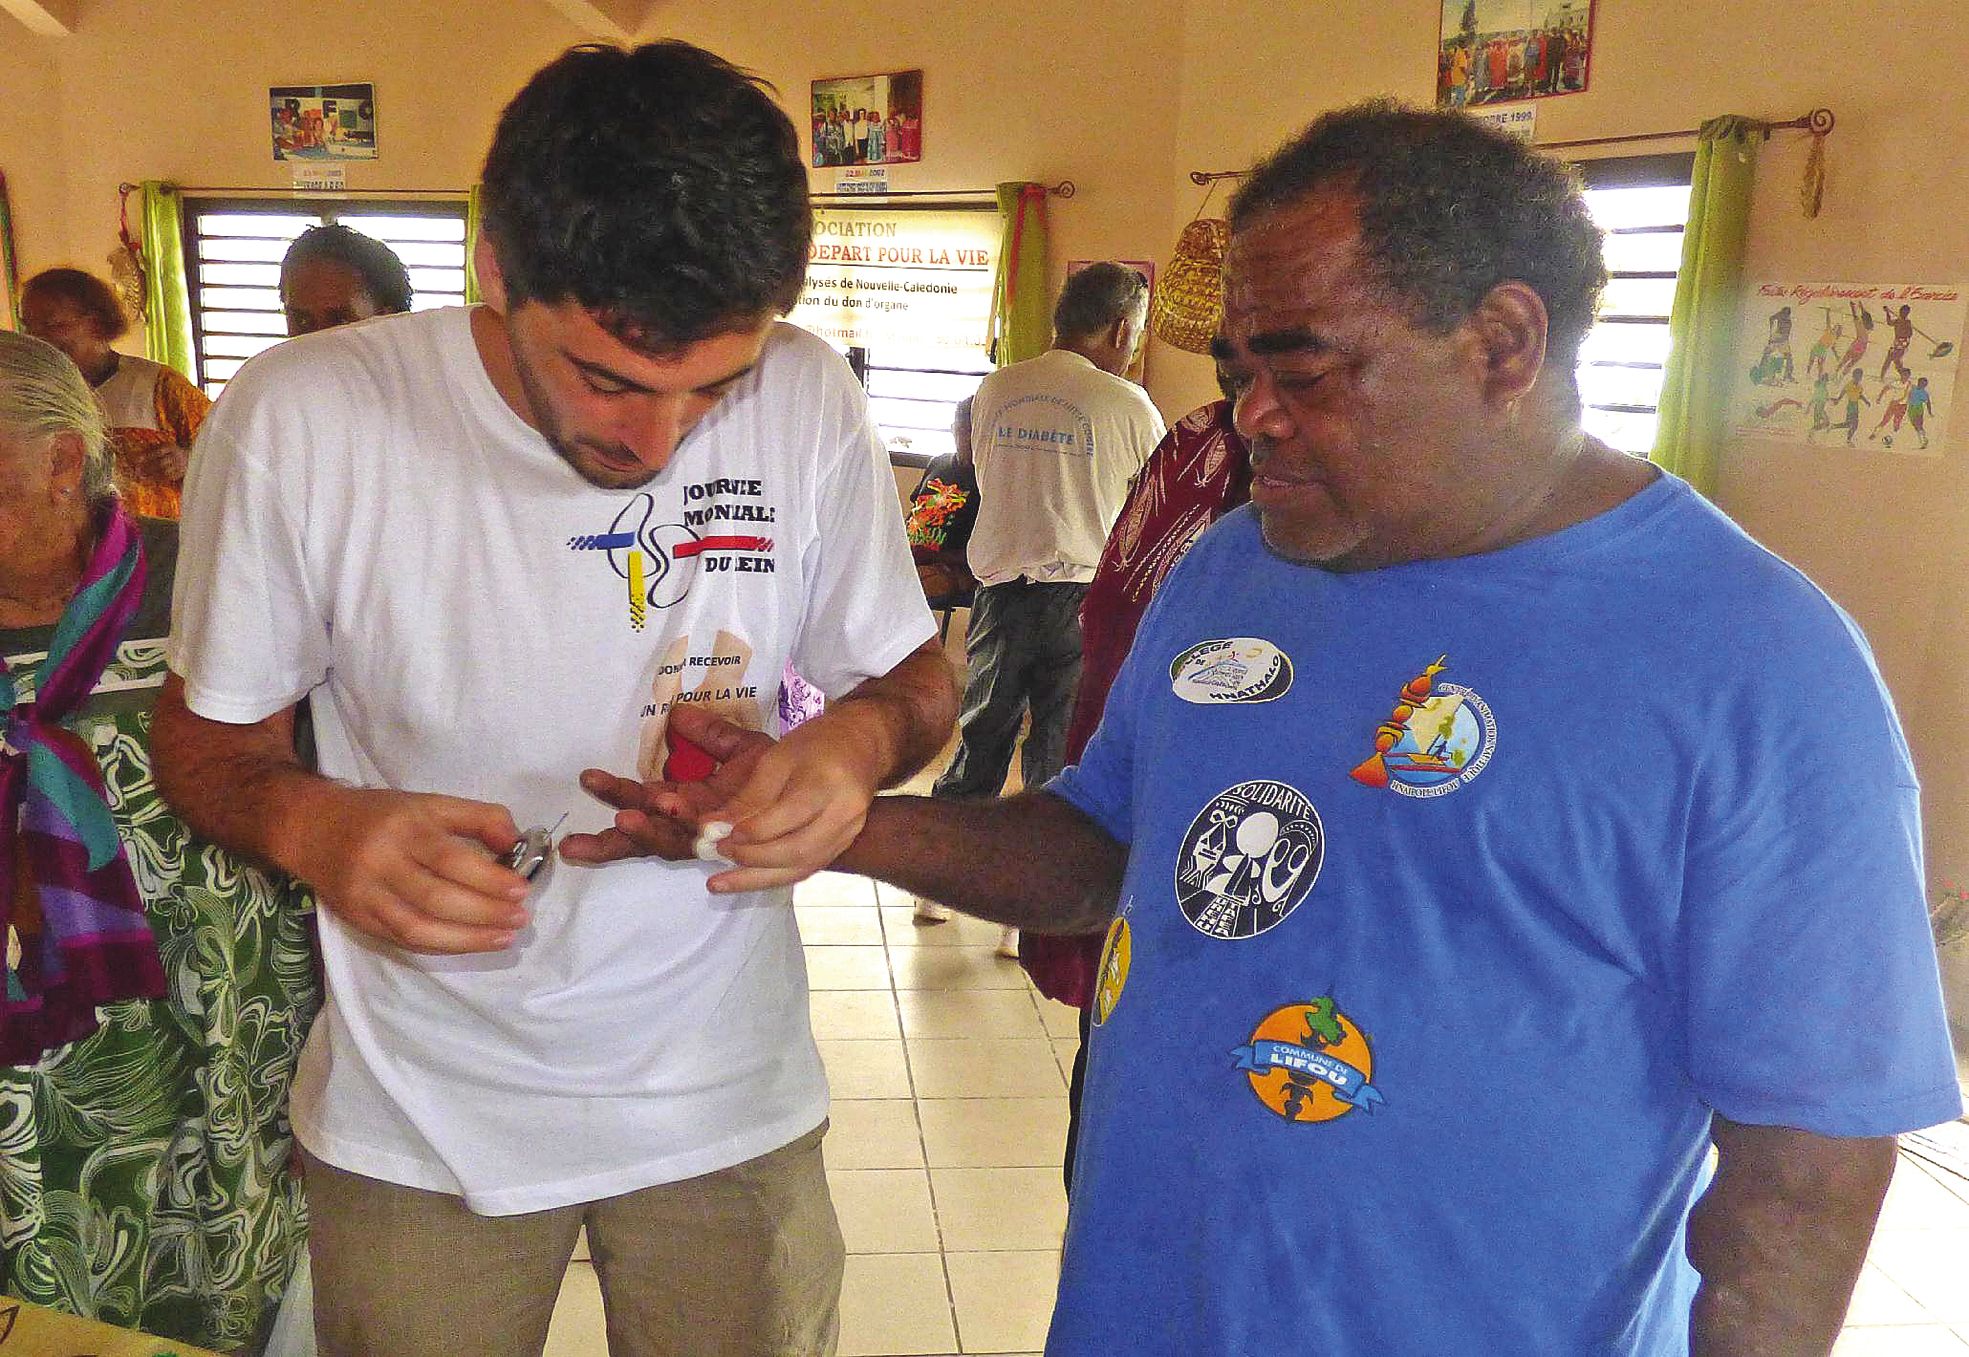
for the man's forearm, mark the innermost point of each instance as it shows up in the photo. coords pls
(242, 787)
(1031, 861)
(1780, 1238)
(906, 714)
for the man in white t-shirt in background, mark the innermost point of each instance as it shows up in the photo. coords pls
(494, 547)
(1056, 440)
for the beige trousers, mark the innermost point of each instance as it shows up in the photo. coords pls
(744, 1262)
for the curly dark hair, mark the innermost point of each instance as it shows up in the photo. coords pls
(86, 293)
(660, 187)
(1449, 208)
(383, 275)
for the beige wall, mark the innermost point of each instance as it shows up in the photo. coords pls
(175, 89)
(30, 131)
(1125, 99)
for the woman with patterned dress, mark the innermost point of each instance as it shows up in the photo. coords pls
(157, 990)
(152, 411)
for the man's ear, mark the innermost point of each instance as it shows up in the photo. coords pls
(1513, 328)
(492, 283)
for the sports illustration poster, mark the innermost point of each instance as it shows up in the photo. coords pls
(1855, 365)
(1498, 51)
(323, 122)
(868, 119)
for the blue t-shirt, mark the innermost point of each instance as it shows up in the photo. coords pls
(1460, 894)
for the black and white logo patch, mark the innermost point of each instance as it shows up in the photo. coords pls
(1250, 857)
(1236, 669)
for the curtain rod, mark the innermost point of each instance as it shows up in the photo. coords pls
(264, 189)
(1064, 189)
(1818, 122)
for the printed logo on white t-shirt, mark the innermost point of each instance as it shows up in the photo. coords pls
(1235, 669)
(1249, 859)
(717, 678)
(659, 555)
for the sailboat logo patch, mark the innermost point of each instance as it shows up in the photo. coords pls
(1437, 737)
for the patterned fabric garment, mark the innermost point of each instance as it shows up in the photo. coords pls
(67, 896)
(144, 1170)
(178, 408)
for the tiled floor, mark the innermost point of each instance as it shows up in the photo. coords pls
(949, 1083)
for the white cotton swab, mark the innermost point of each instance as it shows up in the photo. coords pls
(708, 839)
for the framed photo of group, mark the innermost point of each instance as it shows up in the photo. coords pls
(1499, 51)
(323, 122)
(868, 119)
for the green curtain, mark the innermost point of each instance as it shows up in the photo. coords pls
(1695, 397)
(1021, 319)
(167, 298)
(472, 297)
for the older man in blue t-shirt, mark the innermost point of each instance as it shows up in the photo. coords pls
(1484, 828)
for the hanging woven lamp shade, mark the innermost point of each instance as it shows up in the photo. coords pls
(1189, 297)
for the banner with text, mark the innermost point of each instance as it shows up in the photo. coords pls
(880, 277)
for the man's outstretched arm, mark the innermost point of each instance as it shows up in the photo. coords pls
(1032, 861)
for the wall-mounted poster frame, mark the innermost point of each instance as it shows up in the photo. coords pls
(1501, 51)
(867, 120)
(323, 122)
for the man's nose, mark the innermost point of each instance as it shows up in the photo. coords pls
(1257, 412)
(659, 425)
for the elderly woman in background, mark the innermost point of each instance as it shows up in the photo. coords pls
(152, 411)
(158, 991)
(333, 275)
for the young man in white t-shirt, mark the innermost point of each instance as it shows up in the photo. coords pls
(494, 547)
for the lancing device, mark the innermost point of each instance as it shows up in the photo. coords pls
(533, 850)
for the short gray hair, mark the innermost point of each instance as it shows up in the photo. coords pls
(1097, 297)
(43, 393)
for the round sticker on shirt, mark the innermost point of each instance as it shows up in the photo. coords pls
(1236, 669)
(1112, 977)
(1250, 857)
(1309, 1062)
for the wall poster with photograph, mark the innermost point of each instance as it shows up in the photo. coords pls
(868, 120)
(1497, 51)
(1856, 365)
(323, 122)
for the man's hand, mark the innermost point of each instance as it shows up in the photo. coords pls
(165, 463)
(794, 804)
(409, 869)
(662, 819)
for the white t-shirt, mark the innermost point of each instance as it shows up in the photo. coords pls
(128, 396)
(369, 524)
(1056, 441)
